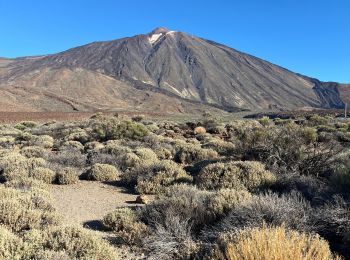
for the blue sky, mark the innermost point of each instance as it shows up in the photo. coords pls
(311, 37)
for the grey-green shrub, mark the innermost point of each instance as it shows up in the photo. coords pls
(102, 172)
(235, 175)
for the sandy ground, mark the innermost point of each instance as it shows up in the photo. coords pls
(87, 202)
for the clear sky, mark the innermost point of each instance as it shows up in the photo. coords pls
(311, 37)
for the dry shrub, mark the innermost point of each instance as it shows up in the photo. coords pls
(153, 178)
(189, 153)
(79, 135)
(34, 151)
(44, 141)
(171, 240)
(236, 175)
(163, 153)
(67, 176)
(290, 210)
(198, 207)
(11, 246)
(23, 210)
(125, 224)
(71, 158)
(225, 200)
(76, 242)
(27, 184)
(114, 147)
(111, 128)
(146, 154)
(222, 147)
(7, 141)
(15, 165)
(43, 174)
(72, 145)
(275, 243)
(102, 172)
(94, 146)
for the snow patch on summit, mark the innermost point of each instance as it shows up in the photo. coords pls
(154, 37)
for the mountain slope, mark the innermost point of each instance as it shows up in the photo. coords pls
(163, 69)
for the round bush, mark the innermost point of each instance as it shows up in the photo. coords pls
(234, 175)
(43, 174)
(226, 199)
(103, 172)
(153, 178)
(125, 224)
(190, 153)
(67, 176)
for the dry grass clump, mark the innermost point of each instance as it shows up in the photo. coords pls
(102, 172)
(126, 225)
(275, 243)
(43, 174)
(67, 176)
(236, 175)
(152, 178)
(189, 153)
(199, 130)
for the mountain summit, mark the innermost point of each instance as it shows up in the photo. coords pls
(164, 71)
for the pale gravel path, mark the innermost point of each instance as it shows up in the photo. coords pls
(89, 201)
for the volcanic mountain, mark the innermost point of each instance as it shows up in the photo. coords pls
(162, 71)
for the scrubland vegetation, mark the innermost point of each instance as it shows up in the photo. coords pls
(266, 189)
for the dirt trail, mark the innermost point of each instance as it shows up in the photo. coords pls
(87, 202)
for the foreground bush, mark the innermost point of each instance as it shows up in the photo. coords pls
(24, 210)
(102, 172)
(289, 210)
(171, 240)
(74, 241)
(274, 243)
(235, 175)
(125, 224)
